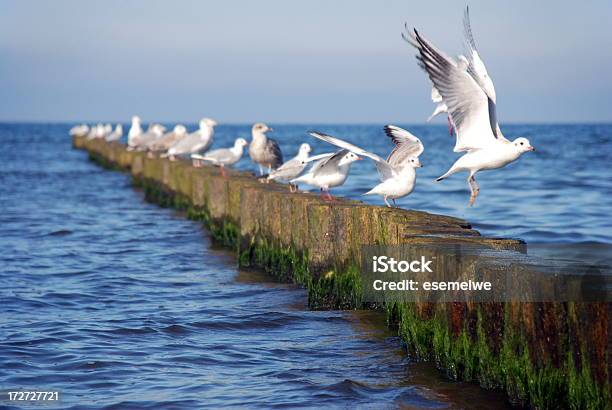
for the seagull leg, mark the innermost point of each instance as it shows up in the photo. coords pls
(223, 174)
(394, 204)
(325, 195)
(386, 202)
(260, 170)
(474, 188)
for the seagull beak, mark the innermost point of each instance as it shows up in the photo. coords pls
(270, 129)
(358, 159)
(532, 149)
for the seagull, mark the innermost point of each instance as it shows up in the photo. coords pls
(79, 130)
(469, 95)
(195, 142)
(115, 135)
(440, 106)
(96, 131)
(167, 140)
(222, 156)
(264, 151)
(292, 168)
(141, 141)
(135, 131)
(329, 172)
(308, 177)
(93, 130)
(398, 172)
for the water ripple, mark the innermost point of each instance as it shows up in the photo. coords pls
(120, 304)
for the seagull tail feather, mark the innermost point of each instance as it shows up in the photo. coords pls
(448, 174)
(370, 192)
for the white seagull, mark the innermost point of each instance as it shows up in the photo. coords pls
(195, 142)
(79, 130)
(116, 134)
(398, 172)
(329, 172)
(292, 168)
(222, 156)
(469, 95)
(135, 131)
(308, 177)
(440, 106)
(168, 139)
(142, 140)
(96, 131)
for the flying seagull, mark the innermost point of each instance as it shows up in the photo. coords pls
(469, 95)
(398, 172)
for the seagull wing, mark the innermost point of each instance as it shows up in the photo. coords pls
(289, 169)
(273, 151)
(476, 66)
(328, 166)
(467, 103)
(407, 146)
(218, 156)
(384, 169)
(319, 156)
(184, 144)
(320, 162)
(478, 70)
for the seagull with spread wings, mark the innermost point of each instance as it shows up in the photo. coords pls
(469, 95)
(398, 172)
(328, 171)
(293, 168)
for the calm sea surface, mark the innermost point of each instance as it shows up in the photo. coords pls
(117, 303)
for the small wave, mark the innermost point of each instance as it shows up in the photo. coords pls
(61, 232)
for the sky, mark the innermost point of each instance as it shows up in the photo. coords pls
(293, 61)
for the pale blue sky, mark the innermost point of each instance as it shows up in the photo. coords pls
(293, 61)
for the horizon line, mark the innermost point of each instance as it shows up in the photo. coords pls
(377, 123)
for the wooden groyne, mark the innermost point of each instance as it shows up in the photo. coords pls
(543, 354)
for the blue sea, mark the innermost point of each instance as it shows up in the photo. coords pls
(117, 303)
